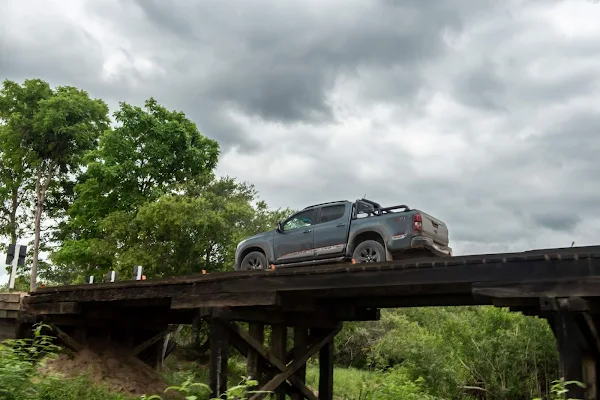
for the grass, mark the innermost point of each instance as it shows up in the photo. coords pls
(347, 382)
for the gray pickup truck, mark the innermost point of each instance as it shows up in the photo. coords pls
(361, 231)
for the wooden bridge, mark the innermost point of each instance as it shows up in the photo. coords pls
(561, 285)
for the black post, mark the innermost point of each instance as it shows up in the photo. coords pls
(257, 331)
(278, 347)
(219, 347)
(300, 339)
(326, 371)
(568, 340)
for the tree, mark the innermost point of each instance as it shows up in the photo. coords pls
(18, 107)
(153, 152)
(55, 130)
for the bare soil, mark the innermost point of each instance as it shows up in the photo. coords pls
(111, 366)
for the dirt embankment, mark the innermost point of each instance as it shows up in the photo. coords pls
(112, 367)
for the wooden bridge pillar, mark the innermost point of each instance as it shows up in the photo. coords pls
(279, 370)
(576, 328)
(219, 351)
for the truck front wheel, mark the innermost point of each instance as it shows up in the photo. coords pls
(254, 260)
(369, 251)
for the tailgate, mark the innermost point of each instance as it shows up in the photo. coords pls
(434, 229)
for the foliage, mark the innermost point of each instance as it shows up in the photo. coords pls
(44, 135)
(153, 152)
(238, 392)
(559, 389)
(18, 361)
(457, 351)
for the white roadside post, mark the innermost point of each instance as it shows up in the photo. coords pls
(137, 273)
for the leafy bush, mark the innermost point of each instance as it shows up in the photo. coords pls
(457, 352)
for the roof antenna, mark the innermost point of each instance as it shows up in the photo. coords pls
(572, 244)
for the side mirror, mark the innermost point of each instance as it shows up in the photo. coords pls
(279, 226)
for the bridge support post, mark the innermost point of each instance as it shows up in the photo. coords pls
(300, 343)
(326, 371)
(578, 342)
(278, 348)
(285, 370)
(254, 362)
(219, 350)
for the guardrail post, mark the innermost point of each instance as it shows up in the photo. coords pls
(111, 276)
(137, 272)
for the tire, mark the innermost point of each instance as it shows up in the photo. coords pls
(254, 260)
(369, 251)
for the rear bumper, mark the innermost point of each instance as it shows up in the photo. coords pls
(424, 242)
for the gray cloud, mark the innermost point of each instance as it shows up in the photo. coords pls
(483, 113)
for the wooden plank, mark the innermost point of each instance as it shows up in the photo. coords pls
(324, 317)
(582, 287)
(5, 305)
(9, 314)
(67, 307)
(226, 300)
(10, 297)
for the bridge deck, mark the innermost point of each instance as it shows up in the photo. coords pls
(456, 280)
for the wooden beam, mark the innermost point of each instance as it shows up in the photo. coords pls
(325, 318)
(147, 343)
(60, 308)
(278, 349)
(569, 287)
(300, 344)
(295, 365)
(271, 359)
(326, 371)
(66, 339)
(219, 349)
(225, 300)
(571, 360)
(256, 330)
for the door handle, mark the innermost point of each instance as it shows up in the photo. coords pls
(307, 231)
(340, 225)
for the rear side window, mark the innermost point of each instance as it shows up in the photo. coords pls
(331, 213)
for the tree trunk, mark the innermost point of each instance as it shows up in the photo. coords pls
(40, 195)
(14, 205)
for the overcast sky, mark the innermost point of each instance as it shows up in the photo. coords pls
(482, 113)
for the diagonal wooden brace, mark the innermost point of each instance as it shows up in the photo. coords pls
(274, 361)
(144, 345)
(288, 371)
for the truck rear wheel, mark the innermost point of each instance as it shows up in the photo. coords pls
(369, 251)
(254, 260)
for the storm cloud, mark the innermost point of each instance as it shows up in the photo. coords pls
(483, 113)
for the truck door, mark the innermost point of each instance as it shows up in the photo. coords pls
(295, 241)
(331, 231)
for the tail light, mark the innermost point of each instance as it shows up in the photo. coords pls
(417, 224)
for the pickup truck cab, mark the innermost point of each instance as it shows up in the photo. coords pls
(361, 231)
